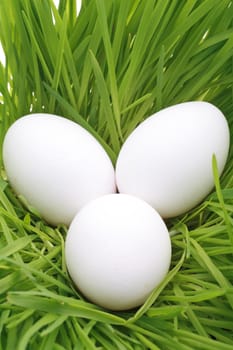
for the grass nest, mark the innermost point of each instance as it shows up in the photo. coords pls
(108, 68)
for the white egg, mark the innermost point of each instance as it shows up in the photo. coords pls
(56, 165)
(167, 160)
(117, 251)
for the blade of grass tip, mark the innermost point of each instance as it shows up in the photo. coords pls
(3, 319)
(218, 61)
(198, 296)
(164, 340)
(136, 117)
(87, 327)
(18, 277)
(93, 44)
(136, 113)
(103, 341)
(185, 231)
(159, 99)
(24, 341)
(213, 40)
(111, 64)
(18, 318)
(42, 23)
(85, 339)
(133, 10)
(54, 265)
(3, 184)
(15, 246)
(190, 313)
(67, 79)
(37, 81)
(10, 280)
(5, 202)
(186, 23)
(166, 312)
(173, 15)
(154, 295)
(118, 339)
(54, 325)
(147, 342)
(199, 342)
(48, 343)
(69, 58)
(21, 225)
(136, 103)
(61, 6)
(202, 256)
(71, 71)
(173, 85)
(137, 54)
(226, 325)
(67, 336)
(84, 24)
(62, 305)
(8, 236)
(37, 48)
(221, 199)
(104, 95)
(226, 17)
(59, 61)
(62, 245)
(96, 114)
(132, 342)
(119, 29)
(41, 276)
(71, 11)
(163, 18)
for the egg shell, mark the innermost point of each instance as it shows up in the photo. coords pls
(117, 251)
(167, 160)
(56, 165)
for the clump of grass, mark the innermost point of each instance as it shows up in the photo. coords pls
(108, 69)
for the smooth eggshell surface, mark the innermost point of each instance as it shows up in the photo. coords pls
(117, 251)
(167, 160)
(56, 165)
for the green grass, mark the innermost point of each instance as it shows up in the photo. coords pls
(108, 69)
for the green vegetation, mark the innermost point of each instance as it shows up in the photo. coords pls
(108, 69)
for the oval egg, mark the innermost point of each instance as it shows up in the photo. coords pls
(117, 251)
(56, 165)
(167, 160)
